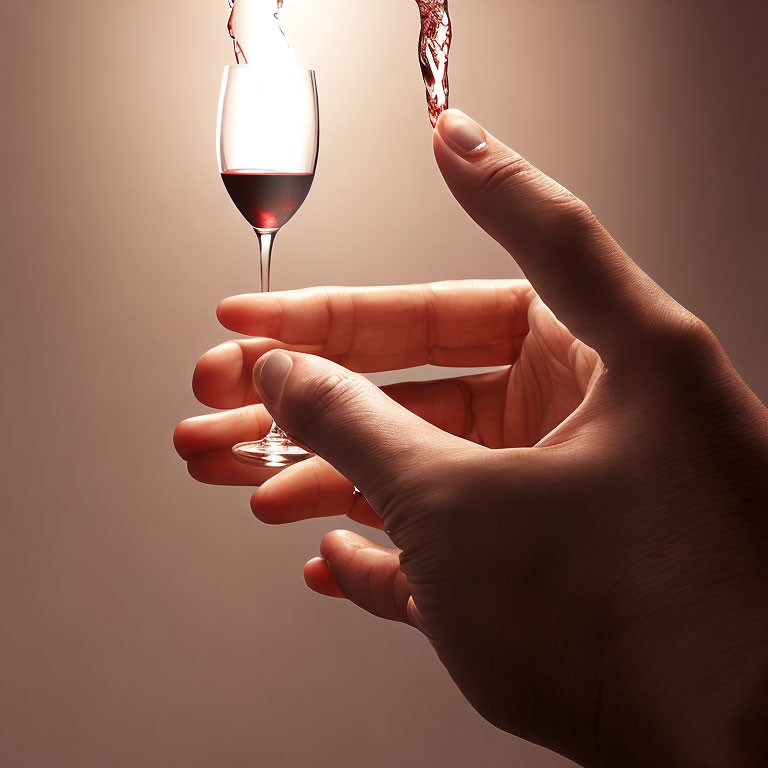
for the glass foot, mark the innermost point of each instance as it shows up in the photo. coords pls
(276, 450)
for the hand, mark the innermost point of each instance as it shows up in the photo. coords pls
(582, 536)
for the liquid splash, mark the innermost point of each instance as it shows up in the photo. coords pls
(255, 30)
(256, 35)
(434, 48)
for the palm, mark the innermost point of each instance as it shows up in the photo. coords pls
(547, 382)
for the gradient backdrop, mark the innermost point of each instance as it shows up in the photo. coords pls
(151, 621)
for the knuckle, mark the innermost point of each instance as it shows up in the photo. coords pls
(439, 489)
(320, 395)
(683, 332)
(571, 207)
(507, 170)
(694, 330)
(682, 342)
(566, 214)
(542, 199)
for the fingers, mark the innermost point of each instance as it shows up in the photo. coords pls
(220, 468)
(573, 263)
(319, 577)
(376, 443)
(470, 407)
(463, 406)
(363, 572)
(220, 430)
(222, 377)
(308, 490)
(463, 323)
(205, 443)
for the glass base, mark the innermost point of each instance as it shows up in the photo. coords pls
(276, 450)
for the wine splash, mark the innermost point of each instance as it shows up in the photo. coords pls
(255, 30)
(256, 34)
(434, 47)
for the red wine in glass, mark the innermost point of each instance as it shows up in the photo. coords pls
(267, 200)
(268, 132)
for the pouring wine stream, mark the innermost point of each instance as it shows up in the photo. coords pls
(256, 35)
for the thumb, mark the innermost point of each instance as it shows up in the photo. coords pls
(576, 267)
(381, 447)
(363, 572)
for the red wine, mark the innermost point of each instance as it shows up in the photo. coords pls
(267, 200)
(434, 47)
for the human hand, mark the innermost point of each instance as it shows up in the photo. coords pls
(582, 538)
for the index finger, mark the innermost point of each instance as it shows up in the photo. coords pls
(459, 323)
(577, 268)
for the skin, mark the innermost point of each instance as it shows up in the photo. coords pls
(582, 535)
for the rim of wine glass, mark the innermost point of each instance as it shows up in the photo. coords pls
(256, 67)
(271, 73)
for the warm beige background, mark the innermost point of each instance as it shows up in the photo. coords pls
(150, 621)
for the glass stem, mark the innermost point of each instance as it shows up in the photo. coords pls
(266, 241)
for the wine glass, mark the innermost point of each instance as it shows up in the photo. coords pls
(268, 144)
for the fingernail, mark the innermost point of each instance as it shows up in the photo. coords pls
(461, 133)
(271, 378)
